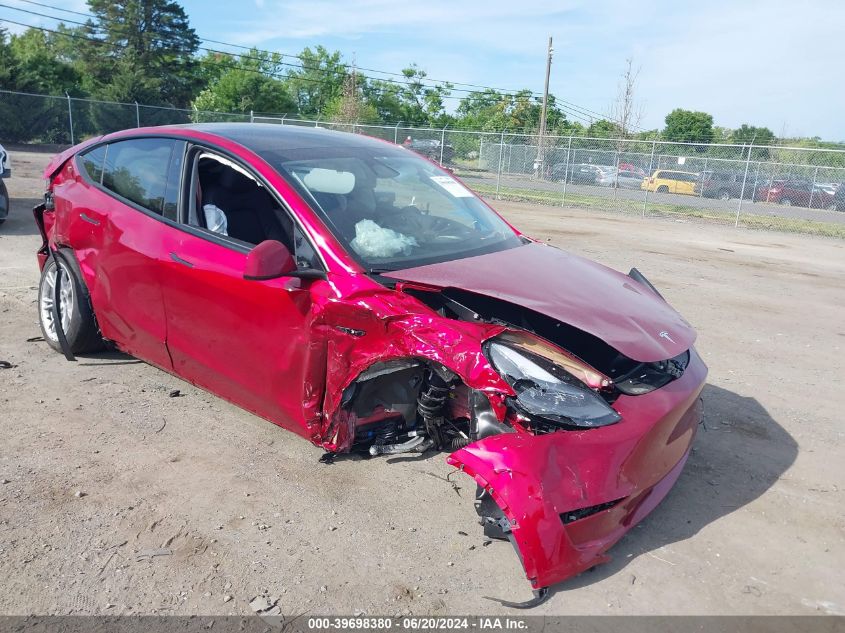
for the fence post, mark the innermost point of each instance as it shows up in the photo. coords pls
(396, 133)
(284, 116)
(70, 116)
(701, 180)
(566, 171)
(499, 166)
(742, 191)
(480, 148)
(251, 116)
(616, 178)
(318, 121)
(137, 115)
(813, 188)
(442, 143)
(648, 175)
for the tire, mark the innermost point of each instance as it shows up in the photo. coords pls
(79, 323)
(4, 202)
(663, 189)
(830, 207)
(724, 194)
(786, 202)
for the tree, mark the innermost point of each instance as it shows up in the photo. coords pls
(140, 50)
(747, 134)
(625, 112)
(27, 64)
(689, 126)
(350, 107)
(410, 100)
(318, 81)
(603, 129)
(247, 83)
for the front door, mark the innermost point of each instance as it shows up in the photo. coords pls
(251, 342)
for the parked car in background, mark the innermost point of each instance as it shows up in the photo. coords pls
(628, 167)
(579, 173)
(619, 178)
(5, 172)
(839, 198)
(430, 148)
(797, 193)
(726, 185)
(670, 181)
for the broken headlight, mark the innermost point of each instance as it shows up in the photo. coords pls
(547, 391)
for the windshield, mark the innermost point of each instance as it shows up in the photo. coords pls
(391, 209)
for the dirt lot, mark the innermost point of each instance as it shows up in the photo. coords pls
(755, 524)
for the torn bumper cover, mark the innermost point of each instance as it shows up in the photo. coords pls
(569, 496)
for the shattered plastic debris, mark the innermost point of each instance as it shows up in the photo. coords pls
(372, 240)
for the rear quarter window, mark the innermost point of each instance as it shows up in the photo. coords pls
(138, 170)
(92, 163)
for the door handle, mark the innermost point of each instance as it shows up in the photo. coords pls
(179, 260)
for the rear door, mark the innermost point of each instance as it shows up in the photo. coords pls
(124, 213)
(251, 342)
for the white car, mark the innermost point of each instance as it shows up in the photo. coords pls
(5, 172)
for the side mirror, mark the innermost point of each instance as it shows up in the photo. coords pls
(269, 260)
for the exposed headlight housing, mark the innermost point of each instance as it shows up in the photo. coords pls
(546, 390)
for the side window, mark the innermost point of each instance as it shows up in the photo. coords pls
(92, 162)
(137, 169)
(660, 174)
(230, 201)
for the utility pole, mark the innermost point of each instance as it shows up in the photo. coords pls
(539, 170)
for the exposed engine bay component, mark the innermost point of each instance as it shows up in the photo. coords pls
(418, 444)
(405, 406)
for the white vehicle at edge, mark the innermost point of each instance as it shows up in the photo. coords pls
(5, 172)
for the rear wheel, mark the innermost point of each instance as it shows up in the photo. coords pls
(4, 202)
(830, 207)
(663, 189)
(786, 202)
(77, 316)
(724, 194)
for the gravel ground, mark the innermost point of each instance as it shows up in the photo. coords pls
(117, 498)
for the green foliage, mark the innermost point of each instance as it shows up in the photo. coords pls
(318, 82)
(140, 50)
(243, 84)
(688, 126)
(603, 129)
(27, 64)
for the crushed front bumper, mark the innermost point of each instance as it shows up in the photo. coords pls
(570, 495)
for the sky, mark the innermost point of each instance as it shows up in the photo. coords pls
(766, 63)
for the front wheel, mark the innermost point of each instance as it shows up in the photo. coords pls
(77, 316)
(663, 189)
(786, 202)
(725, 195)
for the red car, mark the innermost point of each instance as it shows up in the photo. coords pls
(356, 294)
(797, 193)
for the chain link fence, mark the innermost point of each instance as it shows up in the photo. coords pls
(784, 188)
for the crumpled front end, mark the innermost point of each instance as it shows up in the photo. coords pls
(568, 496)
(571, 441)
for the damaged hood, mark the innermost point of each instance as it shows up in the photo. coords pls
(586, 295)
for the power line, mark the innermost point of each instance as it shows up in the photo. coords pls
(577, 111)
(571, 111)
